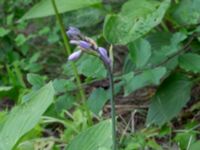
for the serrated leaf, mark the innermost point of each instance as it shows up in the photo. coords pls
(140, 51)
(170, 98)
(136, 19)
(24, 117)
(148, 77)
(45, 8)
(187, 12)
(190, 62)
(94, 138)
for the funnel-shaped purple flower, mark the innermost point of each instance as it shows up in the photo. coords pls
(75, 55)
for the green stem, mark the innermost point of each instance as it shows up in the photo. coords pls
(68, 50)
(113, 114)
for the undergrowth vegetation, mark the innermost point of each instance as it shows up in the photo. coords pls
(63, 61)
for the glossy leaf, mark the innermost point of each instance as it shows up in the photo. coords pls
(170, 98)
(24, 117)
(135, 19)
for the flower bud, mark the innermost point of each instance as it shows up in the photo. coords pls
(81, 44)
(85, 45)
(74, 42)
(73, 33)
(75, 55)
(104, 55)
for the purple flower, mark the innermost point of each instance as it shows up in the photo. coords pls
(82, 44)
(74, 33)
(74, 42)
(75, 55)
(85, 45)
(104, 55)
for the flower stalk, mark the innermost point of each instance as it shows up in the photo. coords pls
(68, 50)
(87, 45)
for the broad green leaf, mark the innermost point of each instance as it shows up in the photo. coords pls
(170, 98)
(164, 45)
(140, 51)
(195, 146)
(89, 66)
(5, 88)
(85, 17)
(63, 85)
(35, 80)
(94, 138)
(190, 62)
(3, 32)
(184, 138)
(174, 45)
(187, 12)
(135, 19)
(24, 117)
(64, 102)
(45, 8)
(97, 100)
(148, 77)
(20, 39)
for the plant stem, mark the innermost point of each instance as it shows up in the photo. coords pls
(113, 114)
(68, 50)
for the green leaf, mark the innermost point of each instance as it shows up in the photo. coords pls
(135, 19)
(185, 138)
(5, 88)
(35, 80)
(94, 138)
(24, 117)
(20, 39)
(64, 102)
(63, 85)
(165, 44)
(195, 146)
(3, 32)
(187, 12)
(140, 52)
(170, 98)
(45, 8)
(190, 62)
(91, 66)
(148, 77)
(85, 17)
(97, 100)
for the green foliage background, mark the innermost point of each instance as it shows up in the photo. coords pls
(156, 45)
